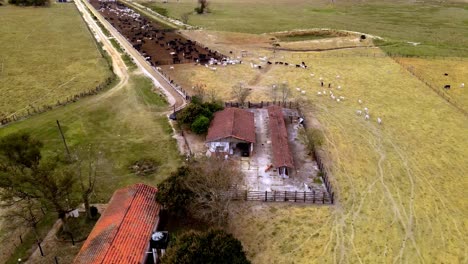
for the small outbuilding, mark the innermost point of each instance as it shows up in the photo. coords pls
(231, 131)
(282, 157)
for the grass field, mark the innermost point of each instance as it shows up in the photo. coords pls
(441, 28)
(126, 126)
(433, 71)
(46, 55)
(400, 185)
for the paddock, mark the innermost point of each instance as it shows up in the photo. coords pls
(157, 43)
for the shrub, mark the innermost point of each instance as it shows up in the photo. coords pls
(213, 246)
(201, 124)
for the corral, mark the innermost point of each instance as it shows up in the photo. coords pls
(158, 44)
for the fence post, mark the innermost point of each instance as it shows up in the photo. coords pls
(274, 196)
(266, 195)
(21, 239)
(246, 195)
(332, 197)
(304, 196)
(323, 199)
(285, 193)
(56, 260)
(295, 196)
(313, 196)
(40, 248)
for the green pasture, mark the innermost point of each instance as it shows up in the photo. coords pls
(125, 125)
(46, 55)
(440, 27)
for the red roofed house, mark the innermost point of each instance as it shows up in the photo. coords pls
(231, 129)
(282, 156)
(123, 231)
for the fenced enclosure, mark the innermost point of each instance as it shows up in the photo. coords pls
(284, 104)
(315, 197)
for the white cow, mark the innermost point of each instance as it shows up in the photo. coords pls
(379, 120)
(359, 112)
(367, 117)
(359, 101)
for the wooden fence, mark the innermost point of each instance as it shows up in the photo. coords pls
(290, 104)
(315, 197)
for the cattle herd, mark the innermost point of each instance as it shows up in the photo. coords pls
(159, 45)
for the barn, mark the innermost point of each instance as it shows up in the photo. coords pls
(282, 157)
(231, 132)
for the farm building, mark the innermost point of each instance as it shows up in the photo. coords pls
(123, 232)
(231, 131)
(282, 156)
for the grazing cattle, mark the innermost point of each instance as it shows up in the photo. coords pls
(447, 87)
(172, 67)
(319, 93)
(359, 112)
(359, 101)
(337, 76)
(339, 87)
(366, 109)
(338, 100)
(321, 84)
(342, 97)
(367, 117)
(312, 74)
(303, 92)
(286, 64)
(379, 120)
(269, 62)
(329, 85)
(297, 88)
(298, 66)
(462, 85)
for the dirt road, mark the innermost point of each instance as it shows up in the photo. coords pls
(174, 98)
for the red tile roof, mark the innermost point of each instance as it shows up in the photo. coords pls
(123, 231)
(282, 156)
(232, 122)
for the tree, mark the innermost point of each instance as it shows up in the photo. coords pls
(173, 193)
(201, 124)
(201, 189)
(88, 182)
(285, 92)
(185, 17)
(26, 176)
(240, 92)
(211, 247)
(202, 6)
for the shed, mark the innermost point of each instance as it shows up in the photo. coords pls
(282, 156)
(231, 130)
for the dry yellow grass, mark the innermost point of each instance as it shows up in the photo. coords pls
(400, 185)
(433, 70)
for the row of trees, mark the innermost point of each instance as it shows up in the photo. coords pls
(30, 182)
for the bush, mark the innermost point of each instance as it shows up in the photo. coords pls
(214, 246)
(198, 10)
(198, 115)
(201, 124)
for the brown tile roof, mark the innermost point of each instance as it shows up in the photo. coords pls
(232, 122)
(123, 231)
(282, 156)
